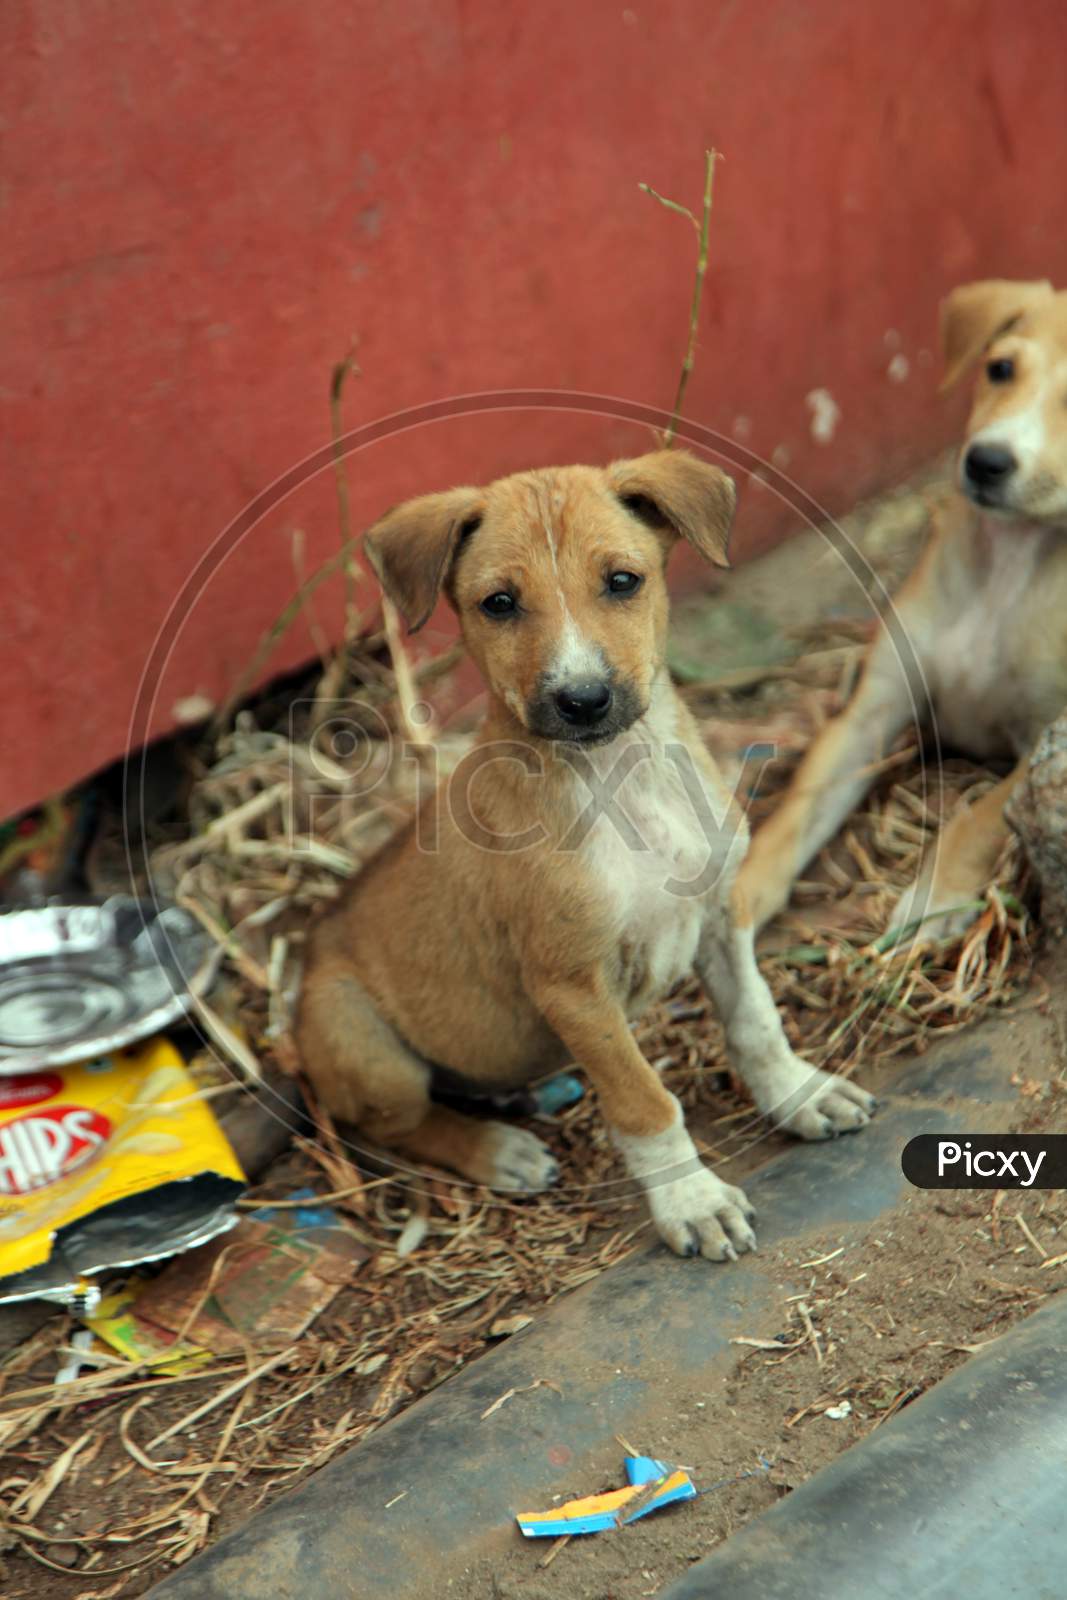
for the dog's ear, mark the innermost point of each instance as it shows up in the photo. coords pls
(413, 546)
(672, 489)
(974, 314)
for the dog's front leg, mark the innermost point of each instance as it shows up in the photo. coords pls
(795, 1096)
(836, 772)
(694, 1211)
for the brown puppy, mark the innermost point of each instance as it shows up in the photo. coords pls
(578, 863)
(978, 640)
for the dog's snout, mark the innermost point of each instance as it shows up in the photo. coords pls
(987, 465)
(585, 704)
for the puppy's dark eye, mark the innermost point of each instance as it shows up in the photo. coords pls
(622, 584)
(1000, 371)
(500, 606)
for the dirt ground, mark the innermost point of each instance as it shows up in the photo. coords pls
(892, 1314)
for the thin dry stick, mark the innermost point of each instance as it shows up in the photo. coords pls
(1025, 1229)
(338, 379)
(809, 1328)
(559, 1544)
(217, 1399)
(200, 1300)
(89, 1385)
(318, 637)
(228, 1041)
(703, 230)
(338, 1165)
(317, 1200)
(415, 732)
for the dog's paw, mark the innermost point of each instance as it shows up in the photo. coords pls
(701, 1215)
(818, 1105)
(515, 1160)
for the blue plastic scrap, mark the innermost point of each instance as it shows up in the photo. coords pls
(598, 1513)
(555, 1094)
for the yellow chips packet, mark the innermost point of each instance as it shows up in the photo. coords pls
(105, 1164)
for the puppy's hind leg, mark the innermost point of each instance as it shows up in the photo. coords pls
(364, 1073)
(959, 868)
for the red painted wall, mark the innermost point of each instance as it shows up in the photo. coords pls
(202, 204)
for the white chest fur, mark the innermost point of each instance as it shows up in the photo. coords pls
(659, 853)
(971, 665)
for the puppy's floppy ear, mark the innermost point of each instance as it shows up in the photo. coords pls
(973, 315)
(413, 546)
(672, 489)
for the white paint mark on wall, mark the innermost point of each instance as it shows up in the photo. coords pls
(193, 708)
(898, 369)
(825, 415)
(742, 427)
(781, 456)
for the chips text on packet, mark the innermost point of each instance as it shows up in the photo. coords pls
(105, 1164)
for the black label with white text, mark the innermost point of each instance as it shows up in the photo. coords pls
(986, 1161)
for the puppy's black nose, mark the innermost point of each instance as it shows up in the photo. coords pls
(583, 705)
(988, 464)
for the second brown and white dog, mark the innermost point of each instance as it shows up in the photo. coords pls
(977, 639)
(578, 863)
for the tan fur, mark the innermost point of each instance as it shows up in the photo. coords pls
(983, 617)
(510, 931)
(973, 315)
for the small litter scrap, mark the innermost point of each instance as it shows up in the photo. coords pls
(258, 1288)
(556, 1094)
(651, 1484)
(106, 1164)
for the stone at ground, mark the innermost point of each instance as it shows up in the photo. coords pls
(1038, 813)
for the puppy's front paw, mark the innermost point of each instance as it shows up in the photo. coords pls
(515, 1160)
(699, 1214)
(817, 1105)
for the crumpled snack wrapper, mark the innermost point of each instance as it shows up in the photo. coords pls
(105, 1164)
